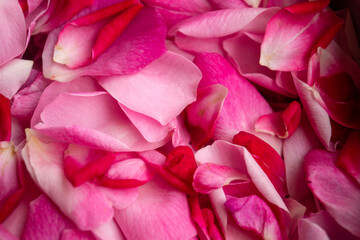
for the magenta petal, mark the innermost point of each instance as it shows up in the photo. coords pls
(282, 124)
(85, 205)
(202, 115)
(160, 212)
(350, 155)
(339, 194)
(161, 90)
(253, 214)
(130, 52)
(292, 35)
(210, 176)
(13, 31)
(237, 113)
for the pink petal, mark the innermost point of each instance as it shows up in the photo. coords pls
(196, 6)
(287, 45)
(5, 119)
(339, 194)
(160, 212)
(46, 222)
(69, 234)
(252, 213)
(202, 115)
(282, 124)
(59, 12)
(237, 157)
(109, 231)
(318, 117)
(13, 31)
(103, 125)
(26, 100)
(322, 224)
(210, 224)
(295, 149)
(195, 45)
(85, 205)
(13, 75)
(267, 158)
(157, 91)
(5, 234)
(209, 176)
(232, 118)
(349, 156)
(127, 173)
(131, 51)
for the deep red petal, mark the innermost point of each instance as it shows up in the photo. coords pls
(5, 119)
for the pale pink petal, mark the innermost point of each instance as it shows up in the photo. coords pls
(282, 124)
(318, 117)
(253, 214)
(291, 218)
(85, 205)
(180, 136)
(224, 22)
(109, 231)
(15, 222)
(339, 194)
(13, 75)
(103, 125)
(13, 31)
(209, 176)
(295, 32)
(9, 171)
(237, 157)
(26, 100)
(350, 155)
(202, 115)
(160, 212)
(294, 150)
(322, 224)
(157, 91)
(131, 51)
(243, 104)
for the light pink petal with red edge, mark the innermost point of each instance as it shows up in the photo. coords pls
(294, 150)
(85, 205)
(13, 31)
(321, 224)
(295, 32)
(242, 98)
(253, 214)
(13, 75)
(266, 157)
(339, 194)
(104, 125)
(130, 52)
(318, 117)
(350, 155)
(282, 124)
(5, 119)
(237, 157)
(160, 212)
(157, 91)
(224, 22)
(209, 176)
(202, 115)
(45, 221)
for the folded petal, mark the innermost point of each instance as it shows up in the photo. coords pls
(157, 91)
(349, 156)
(13, 75)
(282, 124)
(209, 176)
(13, 31)
(85, 205)
(129, 53)
(160, 212)
(202, 115)
(339, 194)
(103, 125)
(238, 112)
(295, 32)
(253, 214)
